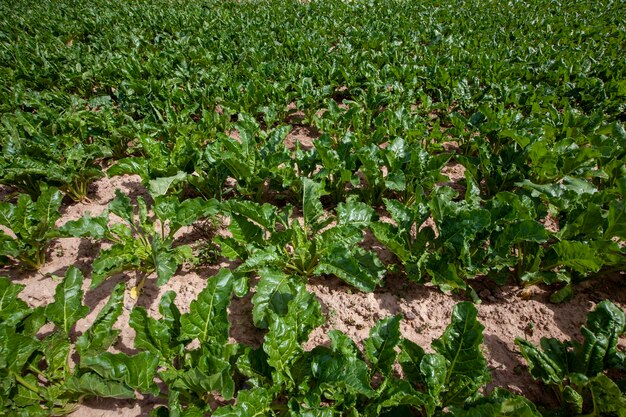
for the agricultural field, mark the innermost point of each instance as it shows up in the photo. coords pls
(312, 208)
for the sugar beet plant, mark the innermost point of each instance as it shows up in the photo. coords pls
(264, 236)
(578, 372)
(281, 378)
(37, 371)
(32, 227)
(141, 241)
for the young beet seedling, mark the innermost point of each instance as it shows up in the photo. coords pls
(141, 242)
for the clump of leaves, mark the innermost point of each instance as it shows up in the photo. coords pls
(449, 252)
(32, 224)
(169, 166)
(38, 378)
(577, 371)
(265, 237)
(70, 166)
(255, 157)
(284, 379)
(143, 242)
(194, 376)
(589, 240)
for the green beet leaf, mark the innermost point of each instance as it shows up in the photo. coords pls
(254, 402)
(281, 345)
(395, 393)
(387, 234)
(312, 209)
(306, 312)
(550, 366)
(199, 381)
(15, 349)
(170, 313)
(524, 231)
(605, 325)
(608, 400)
(122, 207)
(380, 345)
(151, 334)
(434, 372)
(499, 403)
(359, 268)
(160, 186)
(12, 309)
(264, 215)
(101, 335)
(577, 255)
(340, 375)
(93, 385)
(354, 213)
(617, 220)
(410, 359)
(207, 319)
(87, 226)
(114, 260)
(136, 371)
(68, 307)
(466, 369)
(273, 292)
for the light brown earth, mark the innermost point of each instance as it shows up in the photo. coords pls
(507, 312)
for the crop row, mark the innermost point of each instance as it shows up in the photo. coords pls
(443, 237)
(197, 366)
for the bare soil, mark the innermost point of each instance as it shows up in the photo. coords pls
(506, 312)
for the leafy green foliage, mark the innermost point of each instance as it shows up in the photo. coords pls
(32, 225)
(141, 242)
(577, 370)
(60, 162)
(266, 237)
(447, 251)
(36, 371)
(395, 99)
(192, 375)
(255, 157)
(339, 378)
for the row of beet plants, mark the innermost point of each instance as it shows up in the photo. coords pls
(191, 364)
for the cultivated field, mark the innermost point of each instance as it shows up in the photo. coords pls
(324, 208)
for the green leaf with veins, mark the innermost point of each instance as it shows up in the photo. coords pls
(151, 334)
(12, 308)
(94, 385)
(254, 402)
(466, 370)
(273, 292)
(136, 371)
(381, 343)
(312, 209)
(358, 267)
(68, 307)
(101, 335)
(207, 319)
(87, 226)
